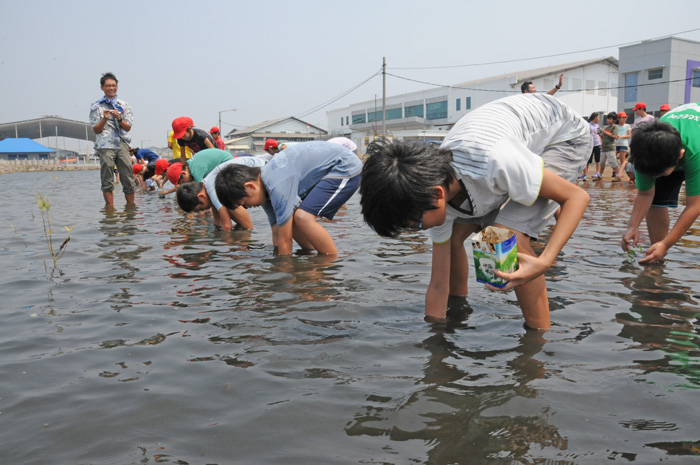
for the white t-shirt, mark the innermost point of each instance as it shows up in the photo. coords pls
(623, 130)
(210, 179)
(496, 152)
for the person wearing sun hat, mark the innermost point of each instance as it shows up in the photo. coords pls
(216, 135)
(643, 118)
(271, 147)
(622, 142)
(665, 108)
(188, 136)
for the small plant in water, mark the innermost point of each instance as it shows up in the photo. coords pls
(44, 206)
(632, 254)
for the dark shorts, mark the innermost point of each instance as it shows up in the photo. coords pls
(326, 198)
(595, 153)
(667, 188)
(622, 148)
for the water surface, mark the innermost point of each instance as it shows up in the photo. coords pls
(159, 339)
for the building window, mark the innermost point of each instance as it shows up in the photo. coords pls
(341, 120)
(468, 103)
(414, 110)
(696, 78)
(577, 84)
(347, 121)
(602, 88)
(631, 87)
(436, 110)
(458, 104)
(656, 73)
(394, 113)
(590, 87)
(373, 116)
(359, 119)
(548, 83)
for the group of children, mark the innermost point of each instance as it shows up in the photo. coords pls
(610, 142)
(521, 177)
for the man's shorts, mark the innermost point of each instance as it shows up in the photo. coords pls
(667, 188)
(566, 159)
(109, 158)
(326, 198)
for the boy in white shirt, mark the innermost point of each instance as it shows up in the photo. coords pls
(512, 163)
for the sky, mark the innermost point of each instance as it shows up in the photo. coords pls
(274, 59)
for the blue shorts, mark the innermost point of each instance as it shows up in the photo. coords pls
(622, 148)
(326, 198)
(667, 188)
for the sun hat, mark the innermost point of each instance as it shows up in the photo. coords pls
(213, 130)
(270, 144)
(640, 106)
(181, 125)
(622, 114)
(161, 165)
(174, 172)
(137, 168)
(665, 106)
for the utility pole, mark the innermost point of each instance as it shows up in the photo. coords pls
(384, 97)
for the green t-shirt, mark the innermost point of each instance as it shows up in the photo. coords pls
(686, 119)
(206, 160)
(609, 142)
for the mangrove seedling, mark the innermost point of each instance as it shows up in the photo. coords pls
(44, 206)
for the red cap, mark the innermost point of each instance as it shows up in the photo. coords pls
(665, 106)
(181, 125)
(213, 130)
(622, 114)
(137, 168)
(161, 165)
(640, 106)
(174, 172)
(270, 144)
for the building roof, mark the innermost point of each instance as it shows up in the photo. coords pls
(48, 126)
(530, 74)
(22, 145)
(257, 128)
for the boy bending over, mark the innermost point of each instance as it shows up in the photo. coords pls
(511, 162)
(298, 185)
(665, 154)
(200, 196)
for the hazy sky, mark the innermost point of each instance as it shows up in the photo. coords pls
(271, 59)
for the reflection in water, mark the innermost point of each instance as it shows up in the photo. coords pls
(663, 316)
(463, 406)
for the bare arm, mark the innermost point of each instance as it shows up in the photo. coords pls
(573, 201)
(642, 204)
(284, 238)
(690, 213)
(439, 287)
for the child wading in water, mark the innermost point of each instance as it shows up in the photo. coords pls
(609, 134)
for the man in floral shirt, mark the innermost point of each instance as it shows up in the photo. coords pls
(111, 119)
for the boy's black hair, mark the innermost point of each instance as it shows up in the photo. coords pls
(525, 86)
(398, 181)
(230, 184)
(187, 195)
(612, 115)
(106, 76)
(655, 148)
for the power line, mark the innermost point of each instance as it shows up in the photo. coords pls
(518, 91)
(335, 99)
(544, 56)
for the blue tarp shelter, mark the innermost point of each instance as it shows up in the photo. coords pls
(22, 148)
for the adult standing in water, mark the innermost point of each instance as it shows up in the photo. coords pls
(111, 119)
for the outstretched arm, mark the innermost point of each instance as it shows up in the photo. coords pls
(642, 204)
(573, 201)
(690, 213)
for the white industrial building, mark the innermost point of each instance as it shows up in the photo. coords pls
(657, 72)
(588, 86)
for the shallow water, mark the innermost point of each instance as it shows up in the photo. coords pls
(161, 340)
